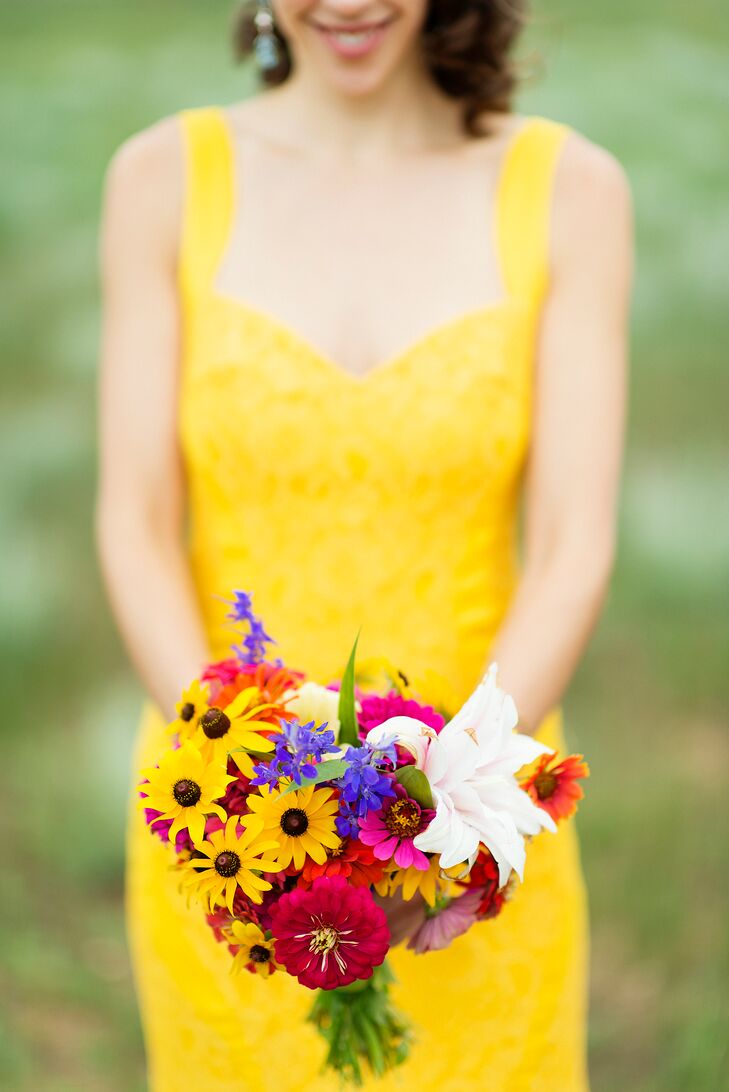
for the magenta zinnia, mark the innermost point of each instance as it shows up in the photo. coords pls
(376, 710)
(330, 935)
(390, 831)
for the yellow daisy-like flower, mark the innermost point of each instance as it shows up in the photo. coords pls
(236, 729)
(253, 948)
(190, 708)
(302, 822)
(232, 858)
(429, 883)
(184, 787)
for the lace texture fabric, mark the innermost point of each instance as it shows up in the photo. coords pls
(386, 502)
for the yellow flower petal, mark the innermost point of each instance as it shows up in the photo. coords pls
(195, 822)
(266, 865)
(257, 882)
(285, 855)
(315, 849)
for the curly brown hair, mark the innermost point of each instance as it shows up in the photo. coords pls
(467, 48)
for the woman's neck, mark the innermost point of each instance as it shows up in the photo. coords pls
(407, 114)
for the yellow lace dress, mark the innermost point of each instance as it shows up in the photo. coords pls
(389, 502)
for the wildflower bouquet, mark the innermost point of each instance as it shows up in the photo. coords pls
(297, 810)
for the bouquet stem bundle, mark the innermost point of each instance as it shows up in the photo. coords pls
(362, 1027)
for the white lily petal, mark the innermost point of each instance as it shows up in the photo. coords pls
(529, 818)
(467, 801)
(499, 833)
(461, 757)
(475, 709)
(519, 750)
(453, 839)
(409, 731)
(437, 762)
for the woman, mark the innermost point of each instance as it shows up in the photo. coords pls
(349, 324)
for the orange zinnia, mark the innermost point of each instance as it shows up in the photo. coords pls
(556, 788)
(271, 682)
(351, 859)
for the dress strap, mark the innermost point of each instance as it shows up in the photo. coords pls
(524, 206)
(208, 203)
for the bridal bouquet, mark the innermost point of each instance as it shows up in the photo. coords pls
(295, 810)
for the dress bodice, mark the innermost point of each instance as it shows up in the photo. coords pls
(387, 501)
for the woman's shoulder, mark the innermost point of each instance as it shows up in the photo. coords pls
(144, 182)
(591, 192)
(156, 153)
(580, 155)
(152, 154)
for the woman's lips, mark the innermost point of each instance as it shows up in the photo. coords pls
(353, 41)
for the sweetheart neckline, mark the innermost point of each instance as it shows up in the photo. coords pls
(384, 366)
(508, 301)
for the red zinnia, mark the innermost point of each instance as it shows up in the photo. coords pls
(235, 800)
(484, 878)
(219, 920)
(353, 860)
(330, 935)
(258, 912)
(556, 789)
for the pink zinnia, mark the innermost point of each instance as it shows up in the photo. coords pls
(391, 830)
(438, 930)
(376, 710)
(330, 935)
(221, 673)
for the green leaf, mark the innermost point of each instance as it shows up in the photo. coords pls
(348, 731)
(416, 785)
(325, 771)
(264, 756)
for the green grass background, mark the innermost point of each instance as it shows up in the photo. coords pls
(650, 81)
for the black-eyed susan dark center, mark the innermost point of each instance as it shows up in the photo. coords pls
(259, 954)
(294, 822)
(227, 863)
(186, 792)
(214, 723)
(187, 712)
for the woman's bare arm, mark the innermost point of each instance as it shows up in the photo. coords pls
(140, 504)
(576, 453)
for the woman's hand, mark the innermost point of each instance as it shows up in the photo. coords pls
(404, 917)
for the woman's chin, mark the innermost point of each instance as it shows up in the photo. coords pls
(355, 81)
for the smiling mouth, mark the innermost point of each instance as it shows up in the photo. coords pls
(353, 40)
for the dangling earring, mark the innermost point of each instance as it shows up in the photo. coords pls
(265, 43)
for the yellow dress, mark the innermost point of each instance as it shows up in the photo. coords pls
(389, 502)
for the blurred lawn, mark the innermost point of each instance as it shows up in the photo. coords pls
(650, 81)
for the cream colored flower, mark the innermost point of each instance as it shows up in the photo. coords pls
(314, 702)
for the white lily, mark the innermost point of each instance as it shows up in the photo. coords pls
(470, 766)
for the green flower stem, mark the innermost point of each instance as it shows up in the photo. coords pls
(362, 1028)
